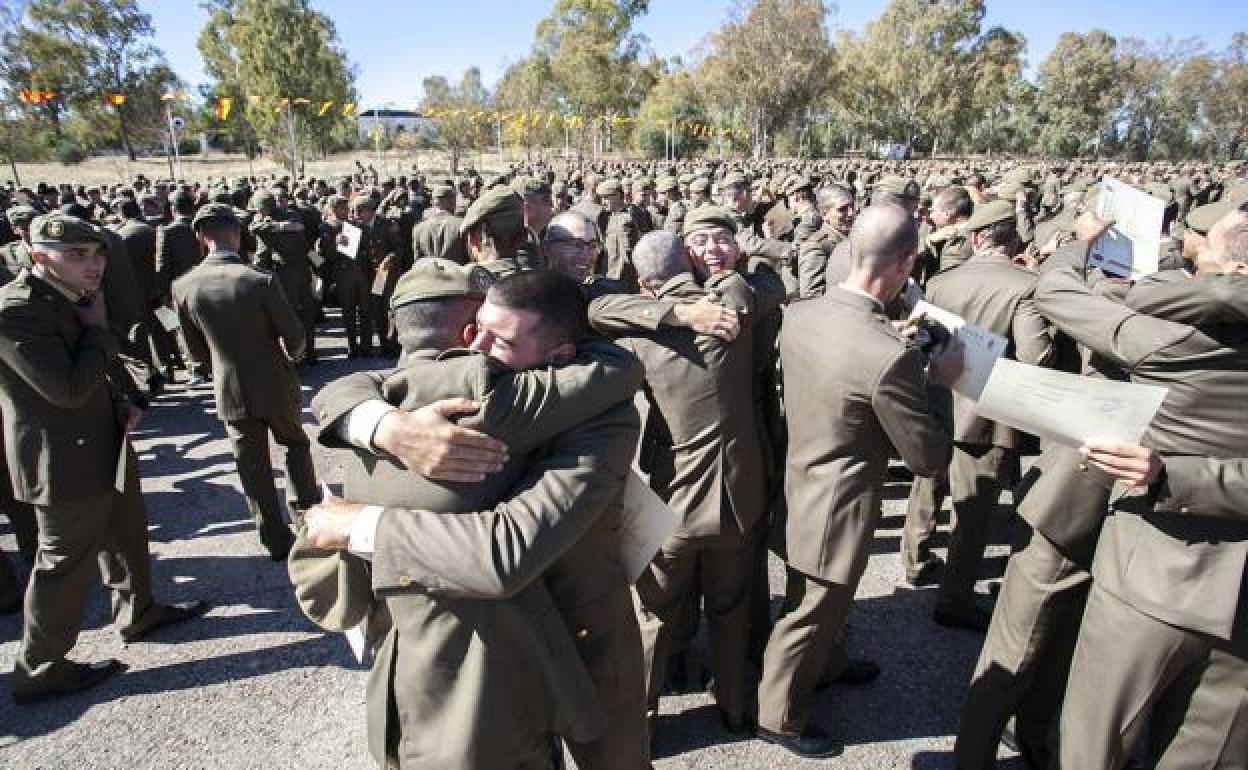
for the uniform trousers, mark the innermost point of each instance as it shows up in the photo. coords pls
(1023, 665)
(1131, 669)
(724, 577)
(977, 474)
(805, 647)
(103, 534)
(250, 439)
(296, 282)
(353, 299)
(926, 497)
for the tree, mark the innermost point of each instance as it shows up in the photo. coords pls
(768, 63)
(1079, 84)
(595, 58)
(996, 83)
(526, 93)
(280, 62)
(463, 120)
(89, 50)
(665, 115)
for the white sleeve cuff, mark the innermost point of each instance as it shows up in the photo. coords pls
(364, 531)
(360, 424)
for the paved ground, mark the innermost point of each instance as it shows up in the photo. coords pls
(254, 685)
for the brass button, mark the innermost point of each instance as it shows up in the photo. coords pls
(582, 633)
(404, 581)
(81, 442)
(1185, 509)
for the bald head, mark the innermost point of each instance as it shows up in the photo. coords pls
(883, 236)
(659, 256)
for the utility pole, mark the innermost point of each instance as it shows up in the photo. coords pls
(175, 160)
(294, 147)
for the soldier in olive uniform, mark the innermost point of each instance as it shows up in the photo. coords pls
(493, 231)
(65, 426)
(239, 316)
(347, 277)
(837, 207)
(669, 204)
(281, 247)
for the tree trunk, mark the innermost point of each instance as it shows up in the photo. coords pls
(124, 129)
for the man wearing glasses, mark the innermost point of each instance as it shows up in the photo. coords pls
(837, 208)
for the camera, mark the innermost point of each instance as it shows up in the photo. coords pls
(931, 336)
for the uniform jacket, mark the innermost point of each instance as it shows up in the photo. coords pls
(140, 241)
(240, 317)
(177, 251)
(993, 292)
(812, 262)
(62, 413)
(849, 406)
(1179, 552)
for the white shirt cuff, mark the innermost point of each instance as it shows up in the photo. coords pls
(364, 532)
(360, 424)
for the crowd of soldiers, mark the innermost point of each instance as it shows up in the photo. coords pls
(505, 327)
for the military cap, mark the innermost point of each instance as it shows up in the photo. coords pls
(531, 185)
(990, 213)
(437, 278)
(364, 201)
(220, 212)
(1203, 218)
(18, 215)
(62, 228)
(442, 190)
(685, 179)
(704, 217)
(262, 199)
(644, 182)
(895, 185)
(608, 187)
(700, 184)
(559, 188)
(665, 184)
(334, 199)
(333, 588)
(733, 179)
(797, 182)
(491, 204)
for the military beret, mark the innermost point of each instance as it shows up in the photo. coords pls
(665, 184)
(685, 179)
(644, 182)
(333, 588)
(437, 278)
(493, 203)
(19, 215)
(364, 201)
(700, 184)
(990, 213)
(262, 199)
(62, 228)
(733, 179)
(608, 187)
(902, 188)
(220, 212)
(1203, 218)
(704, 217)
(442, 190)
(530, 185)
(797, 182)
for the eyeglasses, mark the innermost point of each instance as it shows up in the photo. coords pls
(573, 243)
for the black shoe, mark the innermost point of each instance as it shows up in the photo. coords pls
(162, 615)
(742, 725)
(976, 618)
(857, 673)
(928, 574)
(812, 744)
(82, 676)
(366, 352)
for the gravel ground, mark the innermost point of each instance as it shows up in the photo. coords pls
(255, 685)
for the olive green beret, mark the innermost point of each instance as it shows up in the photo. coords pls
(700, 184)
(62, 228)
(608, 187)
(442, 190)
(733, 179)
(492, 203)
(20, 215)
(704, 217)
(797, 182)
(222, 212)
(1203, 218)
(364, 201)
(665, 184)
(902, 188)
(685, 179)
(437, 278)
(529, 185)
(333, 588)
(262, 199)
(990, 213)
(644, 182)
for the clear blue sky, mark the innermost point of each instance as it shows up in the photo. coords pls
(394, 44)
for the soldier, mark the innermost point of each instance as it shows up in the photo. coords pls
(65, 427)
(535, 194)
(15, 256)
(837, 458)
(992, 291)
(348, 278)
(897, 191)
(837, 207)
(282, 249)
(699, 192)
(620, 231)
(177, 252)
(438, 234)
(152, 342)
(239, 316)
(806, 220)
(493, 231)
(669, 204)
(523, 602)
(947, 246)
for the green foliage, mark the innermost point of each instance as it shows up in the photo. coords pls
(463, 121)
(69, 152)
(673, 103)
(1079, 86)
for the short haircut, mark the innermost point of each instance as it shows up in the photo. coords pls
(554, 297)
(883, 197)
(1235, 239)
(955, 200)
(565, 220)
(216, 229)
(129, 209)
(1003, 233)
(832, 195)
(882, 236)
(659, 256)
(503, 233)
(433, 324)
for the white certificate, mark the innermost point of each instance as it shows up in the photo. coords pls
(1068, 408)
(350, 246)
(1132, 247)
(167, 318)
(646, 522)
(981, 348)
